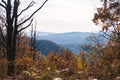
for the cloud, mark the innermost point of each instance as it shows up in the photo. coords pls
(66, 16)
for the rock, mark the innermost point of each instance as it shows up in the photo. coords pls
(118, 78)
(57, 79)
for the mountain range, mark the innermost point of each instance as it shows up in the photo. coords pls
(70, 40)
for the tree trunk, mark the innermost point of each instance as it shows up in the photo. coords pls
(11, 59)
(11, 50)
(9, 44)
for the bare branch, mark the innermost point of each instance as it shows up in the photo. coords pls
(26, 26)
(2, 6)
(105, 35)
(15, 9)
(4, 2)
(32, 14)
(30, 5)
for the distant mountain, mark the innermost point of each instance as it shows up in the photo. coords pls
(46, 46)
(65, 38)
(70, 40)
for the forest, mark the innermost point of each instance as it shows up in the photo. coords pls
(19, 59)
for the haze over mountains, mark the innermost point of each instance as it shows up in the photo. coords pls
(71, 40)
(57, 41)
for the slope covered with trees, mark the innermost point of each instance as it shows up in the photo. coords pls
(46, 46)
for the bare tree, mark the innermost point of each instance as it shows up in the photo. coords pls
(33, 40)
(12, 25)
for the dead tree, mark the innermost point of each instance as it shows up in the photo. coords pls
(12, 25)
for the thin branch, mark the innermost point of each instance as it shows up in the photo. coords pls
(107, 35)
(26, 26)
(2, 6)
(32, 14)
(15, 9)
(4, 2)
(30, 5)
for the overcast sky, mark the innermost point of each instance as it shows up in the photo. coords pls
(67, 16)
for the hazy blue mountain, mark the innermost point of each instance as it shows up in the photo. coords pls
(69, 40)
(46, 46)
(65, 38)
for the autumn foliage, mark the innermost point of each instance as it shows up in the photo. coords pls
(95, 61)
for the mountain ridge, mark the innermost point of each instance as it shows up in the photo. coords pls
(69, 40)
(46, 46)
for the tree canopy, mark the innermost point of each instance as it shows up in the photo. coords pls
(108, 18)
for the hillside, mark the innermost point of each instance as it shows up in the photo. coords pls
(46, 46)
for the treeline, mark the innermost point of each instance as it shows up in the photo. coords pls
(94, 61)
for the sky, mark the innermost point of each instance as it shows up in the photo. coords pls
(61, 16)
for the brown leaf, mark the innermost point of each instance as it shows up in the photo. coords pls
(118, 27)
